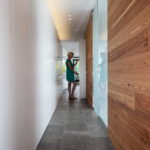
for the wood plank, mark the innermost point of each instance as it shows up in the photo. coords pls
(89, 64)
(125, 99)
(133, 130)
(134, 65)
(131, 47)
(129, 74)
(141, 22)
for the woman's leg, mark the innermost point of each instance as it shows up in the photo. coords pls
(73, 89)
(69, 89)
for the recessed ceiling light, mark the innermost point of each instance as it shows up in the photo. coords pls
(69, 19)
(70, 15)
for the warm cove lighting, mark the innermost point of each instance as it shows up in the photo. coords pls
(59, 17)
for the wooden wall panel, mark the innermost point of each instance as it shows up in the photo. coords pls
(89, 63)
(129, 74)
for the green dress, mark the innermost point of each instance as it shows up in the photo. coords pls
(69, 72)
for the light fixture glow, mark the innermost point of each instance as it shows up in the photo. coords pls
(62, 23)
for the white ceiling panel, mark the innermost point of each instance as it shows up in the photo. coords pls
(78, 9)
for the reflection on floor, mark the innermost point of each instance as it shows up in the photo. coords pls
(75, 126)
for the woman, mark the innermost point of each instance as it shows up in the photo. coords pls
(70, 75)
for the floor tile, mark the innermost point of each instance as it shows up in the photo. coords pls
(76, 141)
(75, 126)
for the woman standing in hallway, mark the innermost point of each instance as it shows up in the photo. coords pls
(70, 75)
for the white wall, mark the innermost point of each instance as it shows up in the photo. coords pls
(82, 50)
(29, 46)
(6, 93)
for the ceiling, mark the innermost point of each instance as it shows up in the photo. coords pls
(77, 10)
(70, 46)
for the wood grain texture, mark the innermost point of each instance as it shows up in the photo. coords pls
(89, 64)
(129, 74)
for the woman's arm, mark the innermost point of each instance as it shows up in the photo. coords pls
(76, 63)
(72, 69)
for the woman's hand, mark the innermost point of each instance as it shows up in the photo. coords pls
(76, 62)
(76, 73)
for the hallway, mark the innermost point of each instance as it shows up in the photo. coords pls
(109, 43)
(75, 126)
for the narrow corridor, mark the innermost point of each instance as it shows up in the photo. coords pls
(75, 126)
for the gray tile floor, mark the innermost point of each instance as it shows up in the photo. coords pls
(75, 126)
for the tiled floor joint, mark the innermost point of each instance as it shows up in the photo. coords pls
(74, 126)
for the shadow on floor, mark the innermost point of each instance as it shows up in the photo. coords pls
(74, 126)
